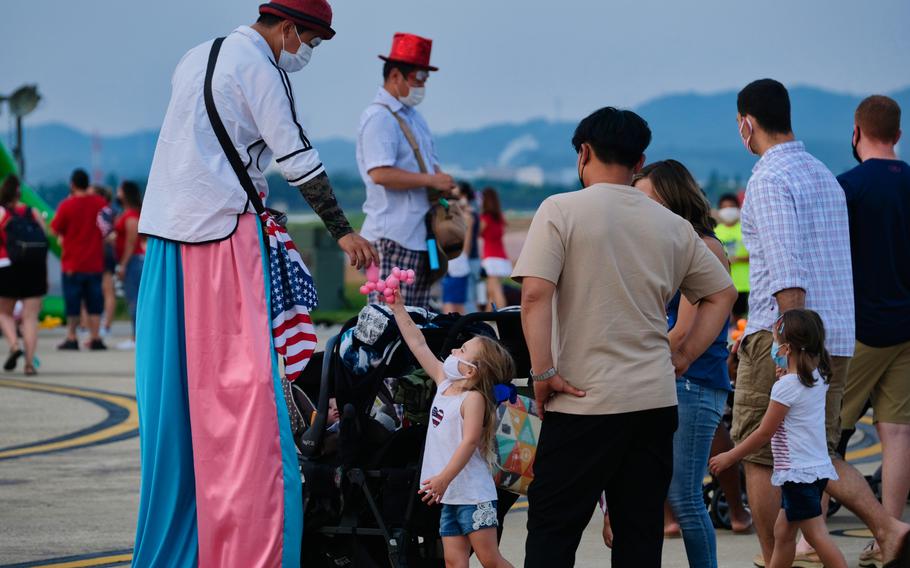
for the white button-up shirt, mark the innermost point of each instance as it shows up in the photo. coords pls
(193, 195)
(394, 214)
(796, 230)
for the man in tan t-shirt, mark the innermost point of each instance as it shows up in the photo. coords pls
(608, 260)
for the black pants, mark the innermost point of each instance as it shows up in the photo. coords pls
(630, 456)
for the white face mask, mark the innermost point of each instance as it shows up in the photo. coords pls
(450, 368)
(728, 215)
(414, 98)
(292, 62)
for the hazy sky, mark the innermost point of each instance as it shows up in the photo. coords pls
(105, 65)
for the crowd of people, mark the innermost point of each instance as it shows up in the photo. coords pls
(627, 290)
(826, 337)
(810, 253)
(99, 240)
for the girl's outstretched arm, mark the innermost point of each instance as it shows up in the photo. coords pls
(415, 340)
(472, 412)
(774, 416)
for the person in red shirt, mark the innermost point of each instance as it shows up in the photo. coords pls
(82, 260)
(24, 281)
(495, 261)
(129, 249)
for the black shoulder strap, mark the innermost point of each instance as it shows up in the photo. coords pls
(223, 138)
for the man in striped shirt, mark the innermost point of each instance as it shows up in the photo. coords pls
(796, 229)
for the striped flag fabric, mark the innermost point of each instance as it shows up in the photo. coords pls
(293, 297)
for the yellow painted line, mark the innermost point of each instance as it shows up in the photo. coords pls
(519, 505)
(873, 450)
(130, 424)
(856, 533)
(100, 561)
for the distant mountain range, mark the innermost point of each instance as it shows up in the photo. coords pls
(699, 130)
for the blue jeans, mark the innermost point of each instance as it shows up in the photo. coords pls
(473, 281)
(131, 278)
(700, 411)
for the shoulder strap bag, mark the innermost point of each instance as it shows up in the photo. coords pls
(446, 228)
(293, 293)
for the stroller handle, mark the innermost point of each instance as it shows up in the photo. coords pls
(312, 438)
(466, 320)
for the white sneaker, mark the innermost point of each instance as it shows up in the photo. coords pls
(127, 345)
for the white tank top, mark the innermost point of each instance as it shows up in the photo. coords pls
(474, 484)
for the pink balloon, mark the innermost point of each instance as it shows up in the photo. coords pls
(396, 272)
(364, 290)
(380, 286)
(389, 293)
(411, 273)
(371, 286)
(391, 282)
(373, 273)
(410, 280)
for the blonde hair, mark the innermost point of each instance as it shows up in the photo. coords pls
(495, 365)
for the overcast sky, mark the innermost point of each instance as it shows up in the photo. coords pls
(105, 65)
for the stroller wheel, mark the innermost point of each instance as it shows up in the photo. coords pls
(720, 509)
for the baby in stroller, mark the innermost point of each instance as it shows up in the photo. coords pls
(455, 470)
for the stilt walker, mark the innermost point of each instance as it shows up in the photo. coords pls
(220, 481)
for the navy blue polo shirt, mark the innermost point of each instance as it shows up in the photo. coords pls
(878, 202)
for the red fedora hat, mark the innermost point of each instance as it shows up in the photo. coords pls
(411, 49)
(313, 14)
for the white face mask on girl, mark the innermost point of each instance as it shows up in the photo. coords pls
(292, 62)
(451, 370)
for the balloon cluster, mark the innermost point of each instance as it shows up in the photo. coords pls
(387, 286)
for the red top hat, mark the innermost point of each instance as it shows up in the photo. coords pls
(313, 14)
(412, 50)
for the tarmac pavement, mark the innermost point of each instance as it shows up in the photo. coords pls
(69, 471)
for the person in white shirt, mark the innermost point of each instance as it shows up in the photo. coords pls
(396, 181)
(794, 424)
(220, 480)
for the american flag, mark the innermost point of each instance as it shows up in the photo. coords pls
(105, 221)
(293, 296)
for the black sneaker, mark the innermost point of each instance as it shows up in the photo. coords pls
(97, 345)
(69, 345)
(12, 360)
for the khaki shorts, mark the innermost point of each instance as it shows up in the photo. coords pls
(754, 379)
(882, 374)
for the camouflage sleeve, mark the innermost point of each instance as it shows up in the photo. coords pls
(318, 193)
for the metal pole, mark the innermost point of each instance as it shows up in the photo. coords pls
(17, 151)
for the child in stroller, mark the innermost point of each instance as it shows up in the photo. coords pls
(455, 472)
(362, 507)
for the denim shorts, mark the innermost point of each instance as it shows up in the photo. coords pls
(460, 520)
(455, 289)
(79, 287)
(802, 501)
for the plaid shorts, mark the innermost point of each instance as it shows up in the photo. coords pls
(392, 254)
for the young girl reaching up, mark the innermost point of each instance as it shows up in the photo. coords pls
(795, 425)
(455, 472)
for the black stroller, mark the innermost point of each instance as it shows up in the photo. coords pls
(361, 506)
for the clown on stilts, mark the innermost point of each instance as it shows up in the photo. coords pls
(220, 480)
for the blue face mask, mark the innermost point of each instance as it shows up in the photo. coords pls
(779, 360)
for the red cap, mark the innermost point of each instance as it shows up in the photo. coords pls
(412, 50)
(314, 14)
